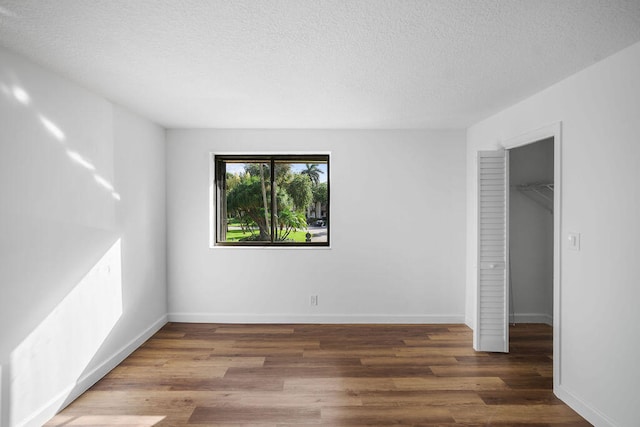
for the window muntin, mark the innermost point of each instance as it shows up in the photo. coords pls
(271, 200)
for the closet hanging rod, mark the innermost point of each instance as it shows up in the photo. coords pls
(535, 186)
(542, 190)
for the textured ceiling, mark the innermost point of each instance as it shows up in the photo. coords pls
(317, 63)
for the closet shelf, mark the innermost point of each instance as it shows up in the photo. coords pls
(539, 192)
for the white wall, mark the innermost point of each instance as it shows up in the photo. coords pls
(397, 212)
(82, 220)
(599, 317)
(531, 234)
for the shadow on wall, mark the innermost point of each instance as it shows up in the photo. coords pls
(61, 292)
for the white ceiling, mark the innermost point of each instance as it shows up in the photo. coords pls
(317, 63)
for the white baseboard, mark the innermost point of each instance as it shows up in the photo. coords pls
(532, 318)
(314, 318)
(73, 391)
(592, 415)
(470, 323)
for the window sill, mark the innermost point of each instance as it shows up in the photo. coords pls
(280, 248)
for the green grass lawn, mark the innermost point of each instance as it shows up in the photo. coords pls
(236, 235)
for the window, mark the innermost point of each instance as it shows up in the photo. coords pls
(271, 200)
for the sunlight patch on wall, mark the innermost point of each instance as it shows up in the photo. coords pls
(52, 128)
(56, 354)
(107, 186)
(17, 92)
(103, 182)
(21, 95)
(76, 157)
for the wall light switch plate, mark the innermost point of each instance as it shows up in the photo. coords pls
(573, 241)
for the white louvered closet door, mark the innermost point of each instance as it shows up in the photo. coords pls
(492, 327)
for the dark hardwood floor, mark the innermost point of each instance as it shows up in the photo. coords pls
(326, 375)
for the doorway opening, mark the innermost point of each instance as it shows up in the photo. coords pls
(531, 246)
(531, 223)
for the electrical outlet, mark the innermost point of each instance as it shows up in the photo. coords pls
(314, 300)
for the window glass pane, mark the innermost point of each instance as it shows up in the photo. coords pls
(302, 193)
(286, 206)
(247, 202)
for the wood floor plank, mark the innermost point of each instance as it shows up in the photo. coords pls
(517, 413)
(170, 353)
(484, 371)
(219, 362)
(330, 372)
(109, 420)
(452, 383)
(327, 375)
(258, 414)
(258, 330)
(409, 361)
(169, 371)
(529, 382)
(303, 385)
(403, 398)
(170, 400)
(349, 352)
(256, 352)
(182, 344)
(230, 384)
(465, 337)
(284, 399)
(506, 359)
(424, 351)
(385, 415)
(310, 362)
(277, 343)
(519, 397)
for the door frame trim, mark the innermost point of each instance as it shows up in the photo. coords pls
(552, 130)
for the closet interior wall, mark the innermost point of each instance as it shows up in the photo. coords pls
(531, 235)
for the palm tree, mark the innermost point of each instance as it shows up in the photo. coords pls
(264, 196)
(313, 172)
(289, 221)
